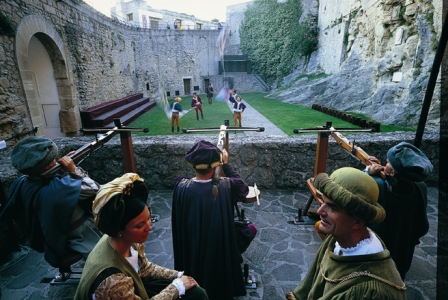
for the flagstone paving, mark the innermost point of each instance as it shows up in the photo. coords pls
(278, 258)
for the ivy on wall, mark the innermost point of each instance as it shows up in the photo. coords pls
(274, 40)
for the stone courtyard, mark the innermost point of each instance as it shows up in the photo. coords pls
(278, 257)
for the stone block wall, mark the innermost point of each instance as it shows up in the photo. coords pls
(95, 60)
(234, 17)
(271, 162)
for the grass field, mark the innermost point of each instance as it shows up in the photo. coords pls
(284, 115)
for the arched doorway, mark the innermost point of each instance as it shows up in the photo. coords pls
(42, 62)
(46, 92)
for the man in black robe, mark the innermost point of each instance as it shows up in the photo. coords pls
(207, 245)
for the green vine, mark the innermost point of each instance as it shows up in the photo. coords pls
(273, 38)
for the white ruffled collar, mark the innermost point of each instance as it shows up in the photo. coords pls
(369, 245)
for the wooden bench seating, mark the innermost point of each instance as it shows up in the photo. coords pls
(127, 109)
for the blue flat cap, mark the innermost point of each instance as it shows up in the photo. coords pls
(31, 155)
(409, 162)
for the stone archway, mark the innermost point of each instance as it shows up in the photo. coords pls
(29, 29)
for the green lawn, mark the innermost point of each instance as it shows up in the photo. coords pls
(285, 116)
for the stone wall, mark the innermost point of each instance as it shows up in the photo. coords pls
(234, 17)
(270, 162)
(240, 82)
(95, 59)
(378, 57)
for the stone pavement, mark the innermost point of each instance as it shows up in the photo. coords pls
(279, 256)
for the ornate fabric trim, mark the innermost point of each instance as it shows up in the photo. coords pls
(359, 274)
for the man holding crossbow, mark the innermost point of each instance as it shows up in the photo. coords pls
(207, 242)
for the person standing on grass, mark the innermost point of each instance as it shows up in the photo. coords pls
(238, 109)
(209, 93)
(196, 103)
(176, 109)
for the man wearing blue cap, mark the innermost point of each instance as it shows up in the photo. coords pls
(403, 194)
(56, 209)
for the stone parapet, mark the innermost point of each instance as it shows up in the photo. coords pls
(269, 161)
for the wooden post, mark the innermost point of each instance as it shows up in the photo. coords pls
(226, 143)
(126, 149)
(320, 164)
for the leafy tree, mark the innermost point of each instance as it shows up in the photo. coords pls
(273, 38)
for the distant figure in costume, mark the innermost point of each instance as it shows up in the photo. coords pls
(57, 210)
(352, 262)
(403, 194)
(176, 109)
(238, 109)
(207, 243)
(223, 94)
(117, 268)
(209, 93)
(233, 95)
(196, 103)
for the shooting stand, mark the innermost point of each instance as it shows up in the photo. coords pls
(308, 215)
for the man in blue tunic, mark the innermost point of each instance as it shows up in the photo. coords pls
(207, 244)
(175, 110)
(56, 210)
(403, 194)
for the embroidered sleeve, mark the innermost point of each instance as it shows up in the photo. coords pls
(116, 286)
(120, 286)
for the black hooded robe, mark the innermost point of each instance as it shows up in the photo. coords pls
(204, 238)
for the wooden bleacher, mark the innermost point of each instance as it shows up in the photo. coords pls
(126, 109)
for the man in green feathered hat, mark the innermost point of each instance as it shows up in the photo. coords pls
(352, 262)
